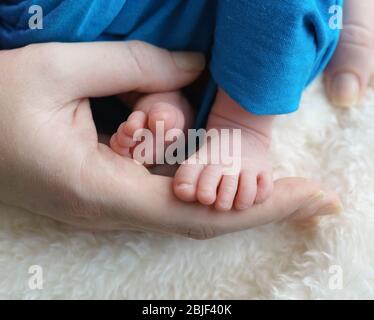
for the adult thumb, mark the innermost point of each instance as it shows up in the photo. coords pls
(349, 72)
(81, 70)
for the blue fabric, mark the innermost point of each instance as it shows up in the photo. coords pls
(263, 52)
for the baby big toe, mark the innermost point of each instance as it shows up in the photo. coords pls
(226, 193)
(166, 115)
(247, 191)
(185, 181)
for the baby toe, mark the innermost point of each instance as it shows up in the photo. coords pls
(137, 120)
(208, 184)
(123, 139)
(116, 147)
(185, 181)
(226, 192)
(126, 131)
(247, 191)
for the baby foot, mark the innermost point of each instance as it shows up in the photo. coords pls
(169, 109)
(209, 182)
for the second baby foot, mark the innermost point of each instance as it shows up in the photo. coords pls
(209, 182)
(170, 109)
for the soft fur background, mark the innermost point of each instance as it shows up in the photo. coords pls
(331, 145)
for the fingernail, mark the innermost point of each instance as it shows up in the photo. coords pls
(316, 198)
(189, 61)
(345, 89)
(331, 209)
(309, 207)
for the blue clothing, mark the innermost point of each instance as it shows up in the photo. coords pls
(263, 53)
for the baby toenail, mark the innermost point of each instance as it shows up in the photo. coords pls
(224, 204)
(205, 193)
(242, 206)
(184, 186)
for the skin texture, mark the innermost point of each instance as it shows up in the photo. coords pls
(52, 164)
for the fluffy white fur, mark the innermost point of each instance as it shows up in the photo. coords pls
(276, 261)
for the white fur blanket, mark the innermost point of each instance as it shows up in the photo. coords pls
(277, 261)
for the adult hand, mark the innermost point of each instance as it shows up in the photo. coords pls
(350, 70)
(52, 164)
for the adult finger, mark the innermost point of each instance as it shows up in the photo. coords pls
(293, 198)
(111, 201)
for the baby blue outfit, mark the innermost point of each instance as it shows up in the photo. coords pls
(263, 53)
